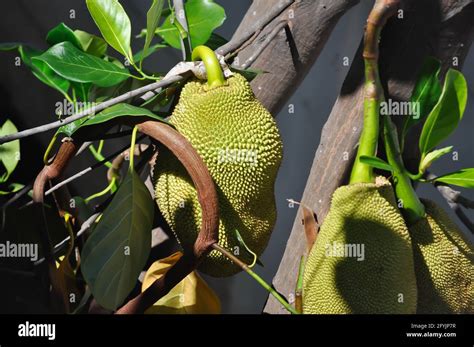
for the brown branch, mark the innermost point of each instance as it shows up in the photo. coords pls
(207, 197)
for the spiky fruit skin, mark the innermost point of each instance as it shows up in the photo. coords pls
(218, 121)
(384, 281)
(444, 264)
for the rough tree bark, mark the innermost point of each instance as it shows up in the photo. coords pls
(442, 28)
(293, 51)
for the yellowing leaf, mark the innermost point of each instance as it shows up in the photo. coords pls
(190, 296)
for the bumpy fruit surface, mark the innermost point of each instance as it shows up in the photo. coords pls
(238, 140)
(444, 264)
(380, 279)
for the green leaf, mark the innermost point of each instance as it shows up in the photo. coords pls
(113, 23)
(91, 44)
(462, 178)
(62, 33)
(117, 250)
(426, 92)
(216, 41)
(75, 65)
(446, 114)
(432, 157)
(132, 114)
(12, 188)
(376, 163)
(152, 49)
(120, 110)
(81, 90)
(42, 71)
(203, 17)
(152, 18)
(9, 151)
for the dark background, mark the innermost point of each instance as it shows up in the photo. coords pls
(28, 102)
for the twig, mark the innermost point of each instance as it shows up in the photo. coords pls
(207, 197)
(88, 169)
(180, 15)
(84, 227)
(256, 277)
(259, 24)
(278, 26)
(455, 200)
(121, 98)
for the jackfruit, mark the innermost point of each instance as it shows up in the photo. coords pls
(239, 142)
(444, 264)
(362, 261)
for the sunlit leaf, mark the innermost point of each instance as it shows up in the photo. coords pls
(190, 296)
(152, 18)
(432, 157)
(447, 113)
(91, 44)
(113, 23)
(203, 17)
(376, 162)
(462, 178)
(75, 65)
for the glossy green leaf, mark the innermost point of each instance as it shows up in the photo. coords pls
(113, 23)
(152, 18)
(9, 151)
(75, 65)
(91, 44)
(462, 178)
(108, 115)
(120, 110)
(62, 33)
(203, 17)
(376, 163)
(432, 156)
(446, 114)
(81, 90)
(117, 250)
(152, 49)
(42, 71)
(426, 92)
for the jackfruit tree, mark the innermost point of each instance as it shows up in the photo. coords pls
(193, 193)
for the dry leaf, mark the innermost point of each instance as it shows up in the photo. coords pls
(190, 296)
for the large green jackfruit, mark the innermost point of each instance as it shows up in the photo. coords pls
(238, 140)
(444, 264)
(380, 277)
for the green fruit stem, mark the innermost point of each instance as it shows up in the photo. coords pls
(215, 77)
(382, 10)
(412, 208)
(256, 277)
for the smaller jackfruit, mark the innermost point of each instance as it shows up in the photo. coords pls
(239, 142)
(444, 264)
(362, 261)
